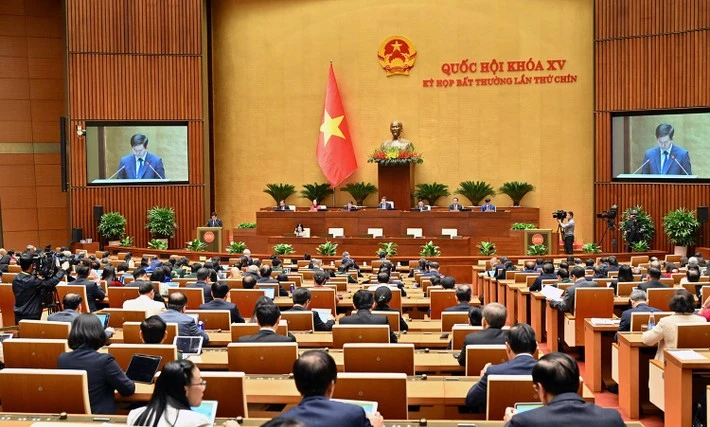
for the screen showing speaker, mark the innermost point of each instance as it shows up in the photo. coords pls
(656, 146)
(119, 153)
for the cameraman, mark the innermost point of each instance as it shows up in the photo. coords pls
(29, 288)
(632, 229)
(568, 231)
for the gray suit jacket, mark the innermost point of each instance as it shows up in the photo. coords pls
(186, 325)
(63, 316)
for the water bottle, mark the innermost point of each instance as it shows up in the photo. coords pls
(292, 288)
(201, 324)
(651, 321)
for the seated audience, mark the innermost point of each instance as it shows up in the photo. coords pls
(529, 267)
(94, 292)
(109, 275)
(187, 327)
(475, 316)
(363, 301)
(145, 300)
(153, 330)
(654, 280)
(383, 296)
(639, 304)
(319, 279)
(265, 275)
(248, 281)
(448, 282)
(548, 273)
(302, 302)
(665, 333)
(567, 303)
(220, 290)
(494, 316)
(72, 309)
(203, 276)
(463, 296)
(625, 275)
(268, 316)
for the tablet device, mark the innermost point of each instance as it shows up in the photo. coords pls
(4, 337)
(103, 317)
(526, 406)
(269, 292)
(208, 408)
(188, 346)
(323, 313)
(369, 406)
(143, 367)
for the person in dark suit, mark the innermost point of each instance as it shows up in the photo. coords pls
(548, 272)
(282, 206)
(203, 275)
(268, 317)
(187, 327)
(153, 330)
(302, 302)
(463, 296)
(654, 280)
(315, 373)
(421, 207)
(141, 164)
(567, 303)
(363, 301)
(4, 261)
(383, 296)
(556, 379)
(488, 206)
(384, 204)
(72, 309)
(265, 275)
(219, 293)
(103, 373)
(667, 158)
(214, 221)
(455, 206)
(350, 206)
(494, 316)
(94, 292)
(520, 347)
(638, 305)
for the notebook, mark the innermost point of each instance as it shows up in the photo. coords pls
(369, 406)
(143, 367)
(208, 408)
(188, 346)
(103, 317)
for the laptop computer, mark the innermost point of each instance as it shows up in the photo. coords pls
(188, 346)
(208, 408)
(143, 367)
(369, 406)
(103, 317)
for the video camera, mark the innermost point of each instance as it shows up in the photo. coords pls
(559, 215)
(45, 262)
(610, 214)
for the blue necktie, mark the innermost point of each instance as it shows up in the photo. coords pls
(664, 163)
(140, 168)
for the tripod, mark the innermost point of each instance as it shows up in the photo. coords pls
(610, 225)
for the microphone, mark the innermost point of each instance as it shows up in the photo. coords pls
(681, 166)
(122, 168)
(644, 164)
(153, 169)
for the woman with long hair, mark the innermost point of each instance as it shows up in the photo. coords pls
(109, 275)
(383, 296)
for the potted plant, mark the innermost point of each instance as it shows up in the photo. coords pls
(475, 191)
(280, 191)
(644, 222)
(640, 246)
(486, 248)
(537, 250)
(516, 190)
(681, 227)
(236, 247)
(112, 226)
(327, 249)
(591, 248)
(430, 249)
(317, 192)
(161, 223)
(360, 191)
(431, 192)
(126, 242)
(158, 244)
(283, 249)
(196, 245)
(246, 225)
(390, 248)
(522, 226)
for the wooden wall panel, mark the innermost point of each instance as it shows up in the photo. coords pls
(624, 18)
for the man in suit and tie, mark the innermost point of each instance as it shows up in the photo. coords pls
(463, 296)
(567, 303)
(384, 204)
(202, 275)
(219, 293)
(302, 302)
(494, 316)
(667, 158)
(488, 206)
(520, 347)
(548, 272)
(187, 327)
(363, 302)
(556, 379)
(315, 373)
(282, 206)
(268, 316)
(141, 164)
(638, 305)
(214, 221)
(455, 206)
(72, 310)
(654, 280)
(94, 292)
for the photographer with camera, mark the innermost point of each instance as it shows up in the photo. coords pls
(566, 229)
(40, 274)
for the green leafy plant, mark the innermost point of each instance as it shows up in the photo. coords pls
(591, 248)
(522, 226)
(126, 242)
(283, 249)
(196, 245)
(317, 192)
(537, 250)
(236, 247)
(158, 244)
(280, 191)
(246, 225)
(516, 190)
(430, 249)
(644, 222)
(112, 225)
(360, 191)
(681, 227)
(161, 222)
(640, 246)
(486, 248)
(390, 248)
(431, 192)
(327, 249)
(475, 191)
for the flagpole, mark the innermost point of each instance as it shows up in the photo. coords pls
(333, 196)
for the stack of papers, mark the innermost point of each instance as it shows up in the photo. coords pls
(604, 321)
(552, 293)
(687, 354)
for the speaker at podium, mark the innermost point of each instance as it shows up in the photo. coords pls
(212, 237)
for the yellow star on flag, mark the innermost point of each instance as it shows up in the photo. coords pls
(396, 45)
(330, 127)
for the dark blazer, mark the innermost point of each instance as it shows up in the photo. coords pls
(364, 317)
(214, 222)
(267, 280)
(4, 263)
(128, 163)
(220, 304)
(625, 323)
(282, 208)
(186, 325)
(652, 284)
(104, 377)
(670, 167)
(485, 337)
(520, 365)
(537, 284)
(317, 411)
(267, 335)
(568, 409)
(63, 316)
(94, 292)
(318, 324)
(402, 323)
(206, 289)
(567, 303)
(488, 207)
(461, 306)
(455, 207)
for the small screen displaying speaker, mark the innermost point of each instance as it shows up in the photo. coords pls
(122, 153)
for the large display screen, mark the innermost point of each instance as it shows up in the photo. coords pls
(136, 153)
(661, 146)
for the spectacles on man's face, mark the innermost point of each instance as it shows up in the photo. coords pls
(202, 383)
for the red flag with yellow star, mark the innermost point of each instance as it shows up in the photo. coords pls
(335, 153)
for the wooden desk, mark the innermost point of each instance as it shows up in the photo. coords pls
(522, 297)
(597, 353)
(552, 318)
(633, 374)
(511, 290)
(678, 393)
(537, 315)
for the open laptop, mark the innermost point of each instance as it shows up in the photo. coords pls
(103, 317)
(188, 346)
(208, 408)
(369, 406)
(143, 367)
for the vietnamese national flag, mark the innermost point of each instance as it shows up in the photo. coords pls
(335, 153)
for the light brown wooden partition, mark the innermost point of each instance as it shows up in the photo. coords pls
(195, 296)
(242, 329)
(441, 299)
(639, 319)
(7, 304)
(45, 391)
(33, 353)
(388, 389)
(343, 334)
(262, 358)
(378, 358)
(324, 298)
(507, 390)
(451, 318)
(245, 300)
(588, 302)
(132, 333)
(213, 319)
(459, 332)
(44, 329)
(298, 320)
(477, 356)
(660, 298)
(392, 318)
(227, 388)
(118, 295)
(396, 301)
(63, 290)
(124, 352)
(693, 335)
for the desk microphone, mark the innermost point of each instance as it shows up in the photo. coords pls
(122, 168)
(681, 166)
(153, 169)
(644, 164)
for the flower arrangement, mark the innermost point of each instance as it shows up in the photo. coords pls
(394, 156)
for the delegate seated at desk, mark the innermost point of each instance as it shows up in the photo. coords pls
(187, 327)
(363, 302)
(494, 317)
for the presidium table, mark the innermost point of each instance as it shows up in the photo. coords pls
(472, 227)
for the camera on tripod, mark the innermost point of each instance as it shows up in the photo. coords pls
(610, 214)
(559, 215)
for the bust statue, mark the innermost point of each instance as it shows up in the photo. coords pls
(397, 143)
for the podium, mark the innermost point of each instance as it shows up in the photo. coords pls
(397, 184)
(538, 236)
(212, 236)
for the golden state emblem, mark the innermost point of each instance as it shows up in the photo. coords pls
(397, 55)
